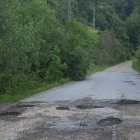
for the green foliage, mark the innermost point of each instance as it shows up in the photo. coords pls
(96, 68)
(29, 92)
(125, 7)
(78, 50)
(55, 70)
(138, 54)
(136, 65)
(26, 34)
(29, 32)
(133, 28)
(111, 50)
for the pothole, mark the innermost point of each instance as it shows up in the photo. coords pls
(88, 106)
(109, 122)
(62, 108)
(128, 81)
(22, 106)
(10, 114)
(83, 124)
(127, 102)
(131, 82)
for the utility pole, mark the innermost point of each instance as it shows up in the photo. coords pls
(94, 12)
(69, 8)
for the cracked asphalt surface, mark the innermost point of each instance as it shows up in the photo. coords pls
(37, 118)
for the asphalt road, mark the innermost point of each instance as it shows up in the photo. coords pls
(118, 82)
(110, 117)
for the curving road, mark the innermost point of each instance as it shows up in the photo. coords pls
(118, 82)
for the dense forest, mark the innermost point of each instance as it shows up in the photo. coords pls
(40, 44)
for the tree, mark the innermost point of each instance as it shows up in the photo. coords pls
(133, 28)
(56, 68)
(78, 49)
(25, 37)
(111, 49)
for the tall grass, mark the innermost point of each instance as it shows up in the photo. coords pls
(23, 94)
(94, 69)
(136, 65)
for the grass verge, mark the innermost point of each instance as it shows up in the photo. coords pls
(6, 98)
(23, 94)
(136, 65)
(94, 69)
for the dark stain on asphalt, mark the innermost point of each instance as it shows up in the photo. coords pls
(130, 82)
(127, 102)
(24, 106)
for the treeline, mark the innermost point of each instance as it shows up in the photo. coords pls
(116, 20)
(114, 45)
(39, 44)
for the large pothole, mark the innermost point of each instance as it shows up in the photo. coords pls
(109, 122)
(88, 106)
(127, 102)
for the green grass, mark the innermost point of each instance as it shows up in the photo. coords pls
(23, 94)
(94, 69)
(136, 65)
(6, 98)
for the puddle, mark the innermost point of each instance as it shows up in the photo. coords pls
(10, 114)
(88, 106)
(62, 108)
(109, 122)
(127, 102)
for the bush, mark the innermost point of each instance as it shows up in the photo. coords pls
(55, 70)
(78, 50)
